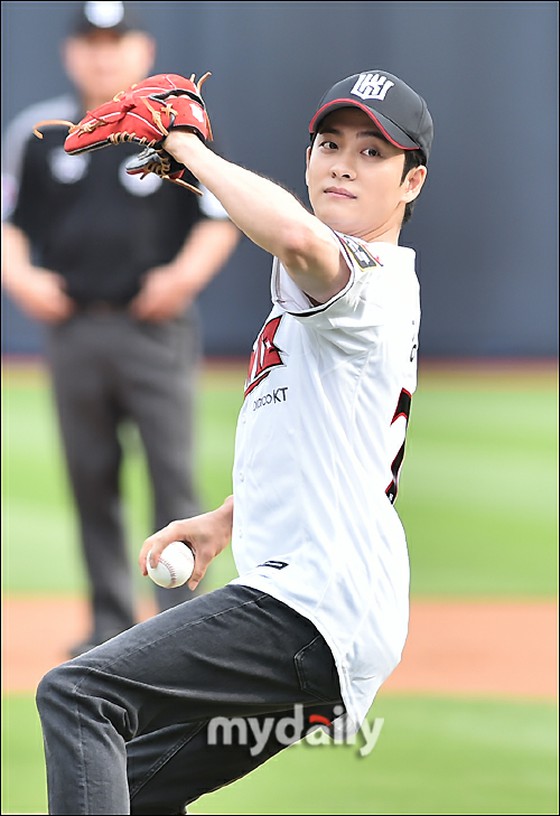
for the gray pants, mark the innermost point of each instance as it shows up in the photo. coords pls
(107, 369)
(126, 725)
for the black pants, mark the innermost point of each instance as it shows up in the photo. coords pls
(110, 372)
(128, 726)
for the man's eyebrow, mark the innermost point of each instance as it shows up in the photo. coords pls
(336, 132)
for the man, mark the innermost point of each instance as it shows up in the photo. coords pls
(111, 265)
(318, 615)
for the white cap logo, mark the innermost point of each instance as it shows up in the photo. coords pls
(104, 14)
(372, 86)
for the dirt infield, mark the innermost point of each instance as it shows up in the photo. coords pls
(505, 649)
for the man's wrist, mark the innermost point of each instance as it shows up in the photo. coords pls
(227, 508)
(180, 143)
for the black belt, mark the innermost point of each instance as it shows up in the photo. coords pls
(102, 307)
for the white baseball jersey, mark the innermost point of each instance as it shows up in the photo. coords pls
(319, 444)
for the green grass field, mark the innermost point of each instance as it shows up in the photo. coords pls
(479, 501)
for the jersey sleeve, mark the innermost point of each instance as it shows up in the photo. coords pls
(14, 145)
(358, 308)
(16, 140)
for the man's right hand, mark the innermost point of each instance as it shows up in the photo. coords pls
(41, 294)
(207, 535)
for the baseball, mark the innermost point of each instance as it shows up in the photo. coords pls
(175, 567)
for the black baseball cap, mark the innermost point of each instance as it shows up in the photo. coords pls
(105, 15)
(400, 113)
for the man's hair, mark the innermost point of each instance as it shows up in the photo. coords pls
(412, 158)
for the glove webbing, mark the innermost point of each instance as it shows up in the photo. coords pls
(161, 168)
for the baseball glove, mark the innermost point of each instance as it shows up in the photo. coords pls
(159, 162)
(144, 113)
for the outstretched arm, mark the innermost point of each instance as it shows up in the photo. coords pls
(167, 112)
(269, 215)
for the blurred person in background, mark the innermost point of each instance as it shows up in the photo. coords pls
(111, 264)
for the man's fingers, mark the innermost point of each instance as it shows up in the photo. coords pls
(156, 543)
(153, 547)
(142, 558)
(201, 563)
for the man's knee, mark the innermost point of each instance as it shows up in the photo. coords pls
(54, 689)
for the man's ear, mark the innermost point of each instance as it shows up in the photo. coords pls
(307, 157)
(413, 183)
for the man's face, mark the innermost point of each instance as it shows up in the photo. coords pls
(354, 177)
(102, 63)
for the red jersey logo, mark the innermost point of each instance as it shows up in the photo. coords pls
(265, 355)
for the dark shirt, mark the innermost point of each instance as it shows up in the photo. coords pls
(89, 221)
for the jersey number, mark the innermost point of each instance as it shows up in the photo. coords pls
(402, 411)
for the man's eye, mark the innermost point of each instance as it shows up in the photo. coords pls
(328, 144)
(371, 151)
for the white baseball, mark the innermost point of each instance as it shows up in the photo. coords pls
(175, 566)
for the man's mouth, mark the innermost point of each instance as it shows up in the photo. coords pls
(339, 192)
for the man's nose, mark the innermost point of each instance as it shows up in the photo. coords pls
(342, 168)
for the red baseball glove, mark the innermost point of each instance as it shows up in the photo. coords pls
(144, 113)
